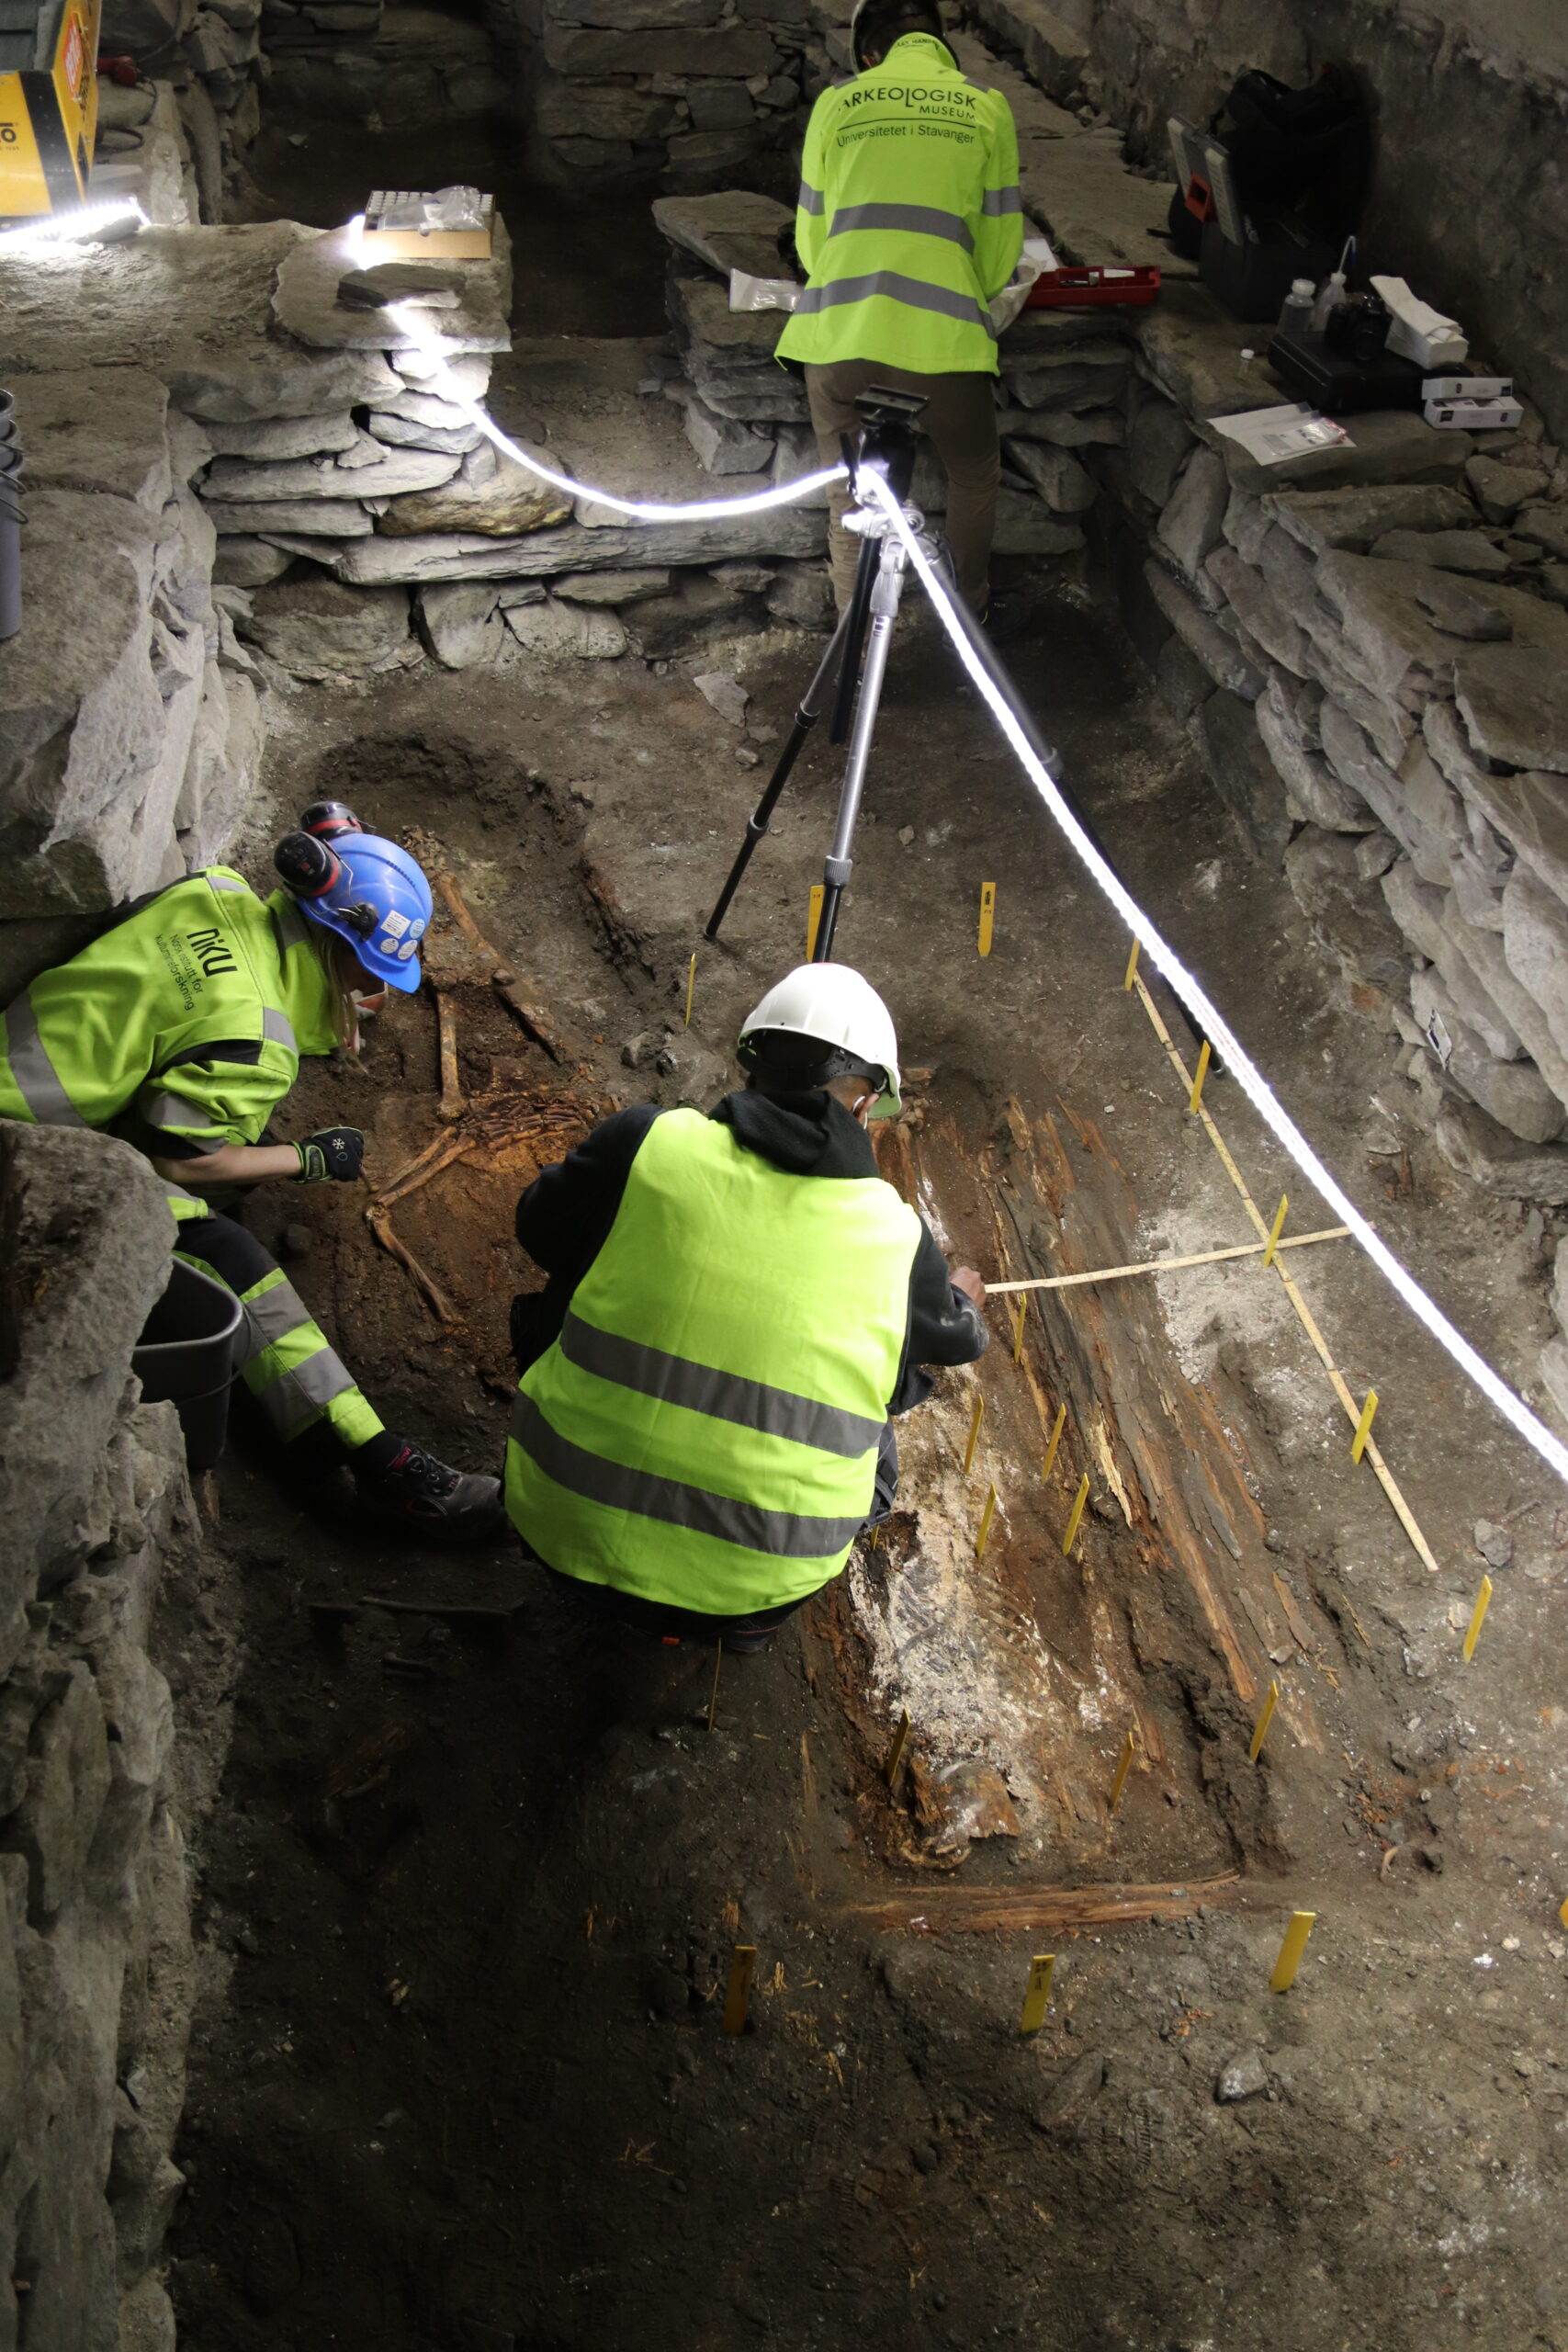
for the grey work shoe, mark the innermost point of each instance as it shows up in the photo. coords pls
(448, 1506)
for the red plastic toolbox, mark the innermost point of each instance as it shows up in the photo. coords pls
(1073, 289)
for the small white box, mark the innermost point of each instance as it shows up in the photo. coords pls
(1474, 416)
(1468, 387)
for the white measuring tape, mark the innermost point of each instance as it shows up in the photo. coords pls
(1193, 994)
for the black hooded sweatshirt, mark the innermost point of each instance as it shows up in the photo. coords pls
(564, 1220)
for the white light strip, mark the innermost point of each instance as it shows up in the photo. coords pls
(1214, 1025)
(65, 228)
(701, 510)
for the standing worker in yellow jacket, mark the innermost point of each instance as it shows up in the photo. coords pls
(910, 221)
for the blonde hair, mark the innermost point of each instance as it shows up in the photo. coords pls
(345, 975)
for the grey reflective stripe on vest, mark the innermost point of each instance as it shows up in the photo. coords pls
(918, 295)
(924, 220)
(308, 1386)
(724, 1395)
(222, 882)
(171, 1114)
(998, 200)
(272, 1315)
(38, 1080)
(811, 200)
(280, 1029)
(781, 1534)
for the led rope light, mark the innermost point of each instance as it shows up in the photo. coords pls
(1193, 994)
(1217, 1028)
(701, 510)
(65, 228)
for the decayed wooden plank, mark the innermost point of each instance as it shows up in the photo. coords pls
(944, 1909)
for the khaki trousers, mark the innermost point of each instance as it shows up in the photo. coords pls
(959, 421)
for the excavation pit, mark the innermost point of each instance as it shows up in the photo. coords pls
(471, 1893)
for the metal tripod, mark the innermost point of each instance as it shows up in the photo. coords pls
(855, 658)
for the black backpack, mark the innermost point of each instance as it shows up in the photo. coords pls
(1307, 153)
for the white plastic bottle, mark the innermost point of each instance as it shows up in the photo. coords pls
(1295, 314)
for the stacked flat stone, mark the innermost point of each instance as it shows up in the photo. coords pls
(686, 90)
(208, 55)
(329, 60)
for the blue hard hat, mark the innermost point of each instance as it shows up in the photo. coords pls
(379, 901)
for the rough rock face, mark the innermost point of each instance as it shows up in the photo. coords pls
(93, 1896)
(129, 734)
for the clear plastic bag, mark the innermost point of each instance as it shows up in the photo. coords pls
(748, 293)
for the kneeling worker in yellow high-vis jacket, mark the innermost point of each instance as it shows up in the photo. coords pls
(910, 221)
(737, 1305)
(180, 1029)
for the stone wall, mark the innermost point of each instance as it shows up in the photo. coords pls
(388, 68)
(130, 731)
(206, 55)
(1472, 129)
(689, 92)
(94, 1899)
(1368, 647)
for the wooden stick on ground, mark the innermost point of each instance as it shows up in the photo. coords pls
(1167, 1265)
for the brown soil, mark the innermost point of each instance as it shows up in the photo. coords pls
(468, 1905)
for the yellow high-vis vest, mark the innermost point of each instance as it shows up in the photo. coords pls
(909, 217)
(119, 1037)
(705, 1431)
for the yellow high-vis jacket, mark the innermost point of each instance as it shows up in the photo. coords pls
(909, 218)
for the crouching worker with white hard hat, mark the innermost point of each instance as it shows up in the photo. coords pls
(736, 1303)
(181, 1029)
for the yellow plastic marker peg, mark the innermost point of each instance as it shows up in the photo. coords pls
(691, 986)
(1276, 1229)
(1058, 1425)
(895, 1753)
(988, 914)
(1195, 1098)
(1131, 971)
(1124, 1766)
(1081, 1498)
(713, 1694)
(1018, 1327)
(986, 1517)
(813, 918)
(1291, 1952)
(1364, 1426)
(1265, 1717)
(1037, 1991)
(1478, 1618)
(979, 1416)
(737, 1995)
(1563, 1913)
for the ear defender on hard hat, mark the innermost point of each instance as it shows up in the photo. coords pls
(368, 890)
(822, 1022)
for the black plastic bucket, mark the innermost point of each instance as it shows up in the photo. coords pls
(188, 1356)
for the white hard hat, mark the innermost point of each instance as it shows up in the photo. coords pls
(833, 1005)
